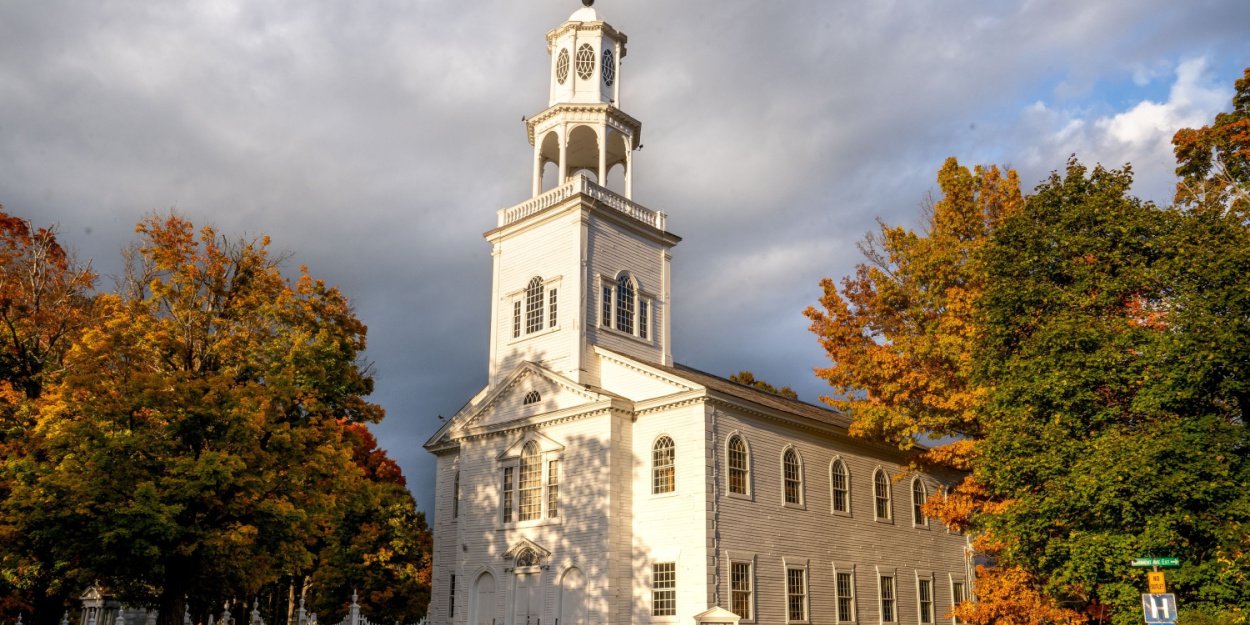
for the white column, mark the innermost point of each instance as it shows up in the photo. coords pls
(629, 170)
(564, 155)
(603, 157)
(538, 167)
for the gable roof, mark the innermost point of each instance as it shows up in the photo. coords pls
(764, 398)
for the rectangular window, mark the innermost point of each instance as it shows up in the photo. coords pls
(796, 594)
(664, 589)
(451, 598)
(516, 319)
(959, 594)
(551, 301)
(605, 318)
(507, 495)
(925, 590)
(740, 589)
(845, 594)
(530, 485)
(887, 599)
(553, 488)
(534, 308)
(625, 306)
(642, 318)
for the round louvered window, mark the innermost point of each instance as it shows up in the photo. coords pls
(585, 61)
(562, 66)
(609, 67)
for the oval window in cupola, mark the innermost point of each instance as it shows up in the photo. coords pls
(585, 61)
(562, 66)
(609, 67)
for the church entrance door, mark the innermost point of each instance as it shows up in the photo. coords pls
(484, 605)
(527, 600)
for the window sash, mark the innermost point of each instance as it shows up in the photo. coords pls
(553, 489)
(887, 599)
(918, 497)
(516, 319)
(455, 497)
(625, 305)
(507, 495)
(642, 318)
(925, 590)
(664, 589)
(881, 488)
(534, 306)
(796, 594)
(552, 307)
(737, 466)
(605, 318)
(740, 589)
(663, 461)
(451, 598)
(840, 489)
(844, 591)
(959, 594)
(530, 484)
(793, 478)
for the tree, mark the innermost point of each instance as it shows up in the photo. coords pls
(1096, 444)
(196, 445)
(1213, 162)
(44, 301)
(746, 378)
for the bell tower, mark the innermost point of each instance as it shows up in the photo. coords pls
(578, 265)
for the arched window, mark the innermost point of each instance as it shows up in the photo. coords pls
(881, 493)
(793, 474)
(562, 66)
(532, 397)
(918, 497)
(531, 482)
(534, 305)
(663, 459)
(739, 465)
(585, 61)
(527, 557)
(841, 485)
(625, 303)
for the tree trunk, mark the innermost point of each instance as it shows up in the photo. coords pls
(172, 603)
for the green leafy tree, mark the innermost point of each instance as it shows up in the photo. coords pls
(1213, 162)
(195, 447)
(1107, 436)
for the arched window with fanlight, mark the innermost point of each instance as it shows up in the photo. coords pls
(739, 466)
(534, 305)
(530, 483)
(663, 466)
(625, 303)
(624, 306)
(792, 475)
(918, 497)
(840, 485)
(881, 495)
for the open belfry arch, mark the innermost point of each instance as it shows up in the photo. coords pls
(595, 481)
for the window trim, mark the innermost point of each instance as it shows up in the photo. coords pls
(802, 487)
(510, 499)
(796, 564)
(889, 497)
(747, 477)
(521, 312)
(955, 599)
(668, 589)
(882, 574)
(844, 568)
(642, 319)
(846, 475)
(654, 473)
(926, 576)
(923, 522)
(749, 560)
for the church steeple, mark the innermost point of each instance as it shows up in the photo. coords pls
(580, 265)
(585, 93)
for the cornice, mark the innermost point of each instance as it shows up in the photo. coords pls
(586, 113)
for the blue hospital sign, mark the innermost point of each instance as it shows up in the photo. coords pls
(1159, 608)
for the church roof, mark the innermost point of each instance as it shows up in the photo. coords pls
(749, 393)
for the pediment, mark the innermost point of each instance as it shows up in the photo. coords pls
(545, 445)
(530, 391)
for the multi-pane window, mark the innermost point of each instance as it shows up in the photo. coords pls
(451, 598)
(531, 483)
(532, 397)
(642, 318)
(664, 589)
(551, 308)
(918, 497)
(739, 471)
(844, 590)
(924, 588)
(606, 307)
(516, 319)
(507, 495)
(553, 488)
(793, 477)
(959, 594)
(796, 594)
(881, 494)
(625, 304)
(663, 459)
(740, 589)
(887, 599)
(455, 497)
(841, 485)
(534, 306)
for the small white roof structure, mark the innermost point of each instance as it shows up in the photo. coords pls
(717, 614)
(585, 14)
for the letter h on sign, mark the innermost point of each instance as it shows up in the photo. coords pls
(1159, 608)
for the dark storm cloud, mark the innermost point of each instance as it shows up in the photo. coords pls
(376, 140)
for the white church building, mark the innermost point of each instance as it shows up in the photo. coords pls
(595, 481)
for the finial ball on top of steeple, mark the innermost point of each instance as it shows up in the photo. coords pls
(588, 2)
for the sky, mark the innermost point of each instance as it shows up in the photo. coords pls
(375, 141)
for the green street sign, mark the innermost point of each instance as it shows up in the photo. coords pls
(1157, 562)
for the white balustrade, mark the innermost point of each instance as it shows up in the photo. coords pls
(584, 186)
